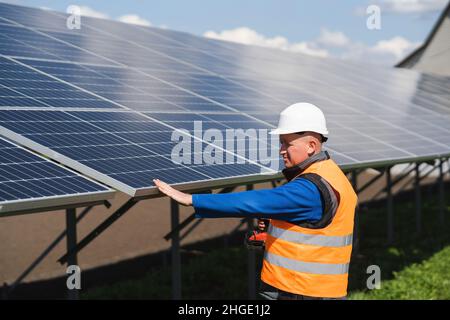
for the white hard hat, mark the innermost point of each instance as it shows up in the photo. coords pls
(300, 117)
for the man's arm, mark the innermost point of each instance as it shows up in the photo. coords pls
(298, 200)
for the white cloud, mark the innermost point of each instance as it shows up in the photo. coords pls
(246, 35)
(309, 48)
(386, 52)
(333, 38)
(328, 43)
(134, 19)
(418, 7)
(412, 6)
(399, 47)
(89, 12)
(128, 18)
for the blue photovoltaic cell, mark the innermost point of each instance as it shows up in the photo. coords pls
(133, 89)
(29, 88)
(25, 176)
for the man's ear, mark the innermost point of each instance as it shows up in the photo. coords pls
(311, 147)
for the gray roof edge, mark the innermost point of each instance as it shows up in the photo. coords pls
(428, 40)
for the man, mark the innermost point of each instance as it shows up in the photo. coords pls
(309, 238)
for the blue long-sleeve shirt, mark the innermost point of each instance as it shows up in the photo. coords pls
(296, 201)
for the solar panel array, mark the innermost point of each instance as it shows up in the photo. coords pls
(28, 181)
(106, 100)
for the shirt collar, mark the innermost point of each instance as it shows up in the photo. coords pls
(291, 173)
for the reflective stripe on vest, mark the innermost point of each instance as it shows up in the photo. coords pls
(311, 239)
(306, 267)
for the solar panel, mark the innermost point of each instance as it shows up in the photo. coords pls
(28, 181)
(123, 148)
(395, 140)
(107, 99)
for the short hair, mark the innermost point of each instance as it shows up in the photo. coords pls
(323, 139)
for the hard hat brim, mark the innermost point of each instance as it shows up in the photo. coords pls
(284, 131)
(276, 131)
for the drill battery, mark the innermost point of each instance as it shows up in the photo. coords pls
(256, 239)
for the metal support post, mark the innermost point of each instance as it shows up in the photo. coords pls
(418, 199)
(71, 227)
(441, 192)
(251, 259)
(175, 250)
(356, 233)
(390, 209)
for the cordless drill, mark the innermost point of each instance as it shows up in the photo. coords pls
(256, 239)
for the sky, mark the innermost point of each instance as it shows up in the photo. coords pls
(327, 28)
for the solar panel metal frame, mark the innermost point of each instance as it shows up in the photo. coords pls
(25, 206)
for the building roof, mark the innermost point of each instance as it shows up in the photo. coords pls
(433, 55)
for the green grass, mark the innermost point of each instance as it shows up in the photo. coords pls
(429, 279)
(405, 262)
(414, 266)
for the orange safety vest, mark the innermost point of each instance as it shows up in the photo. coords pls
(313, 262)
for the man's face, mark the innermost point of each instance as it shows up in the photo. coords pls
(295, 148)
